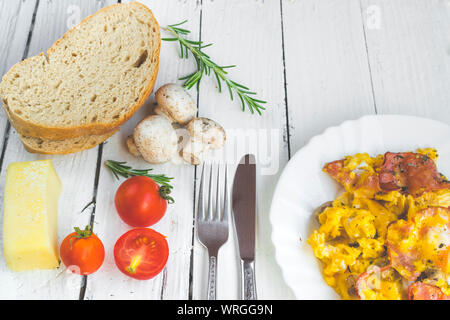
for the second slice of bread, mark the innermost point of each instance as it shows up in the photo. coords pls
(37, 145)
(91, 81)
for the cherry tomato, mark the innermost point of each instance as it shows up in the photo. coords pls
(141, 253)
(140, 202)
(82, 251)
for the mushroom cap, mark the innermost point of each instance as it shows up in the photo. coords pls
(156, 139)
(175, 103)
(194, 151)
(208, 131)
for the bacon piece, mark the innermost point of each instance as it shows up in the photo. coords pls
(420, 239)
(336, 170)
(424, 291)
(378, 284)
(411, 173)
(402, 261)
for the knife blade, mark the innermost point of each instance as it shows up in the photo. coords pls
(244, 213)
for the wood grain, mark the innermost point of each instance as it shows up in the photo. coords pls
(248, 34)
(76, 171)
(317, 63)
(15, 20)
(327, 73)
(177, 224)
(409, 53)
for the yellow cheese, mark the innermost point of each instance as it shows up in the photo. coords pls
(30, 228)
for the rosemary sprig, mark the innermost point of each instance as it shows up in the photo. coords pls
(205, 65)
(120, 169)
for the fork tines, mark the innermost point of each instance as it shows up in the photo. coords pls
(212, 223)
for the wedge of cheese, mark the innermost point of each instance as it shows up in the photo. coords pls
(30, 215)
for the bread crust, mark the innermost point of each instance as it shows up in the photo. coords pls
(66, 132)
(71, 149)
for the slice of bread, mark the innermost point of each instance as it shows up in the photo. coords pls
(37, 145)
(91, 81)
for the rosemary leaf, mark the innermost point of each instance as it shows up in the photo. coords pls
(120, 169)
(205, 65)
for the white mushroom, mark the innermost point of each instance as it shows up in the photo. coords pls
(175, 103)
(205, 134)
(208, 131)
(132, 147)
(194, 151)
(155, 139)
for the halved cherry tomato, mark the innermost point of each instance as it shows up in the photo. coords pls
(141, 253)
(140, 202)
(82, 251)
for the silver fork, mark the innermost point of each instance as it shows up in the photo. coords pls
(212, 225)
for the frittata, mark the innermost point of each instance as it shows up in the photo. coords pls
(387, 235)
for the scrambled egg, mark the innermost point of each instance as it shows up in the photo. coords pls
(367, 228)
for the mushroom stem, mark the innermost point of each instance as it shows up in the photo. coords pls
(194, 151)
(132, 147)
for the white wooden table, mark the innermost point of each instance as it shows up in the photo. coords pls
(316, 62)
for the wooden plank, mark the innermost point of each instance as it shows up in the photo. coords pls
(76, 171)
(173, 282)
(248, 34)
(15, 23)
(327, 73)
(409, 47)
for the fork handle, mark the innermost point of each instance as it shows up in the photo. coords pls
(212, 277)
(248, 280)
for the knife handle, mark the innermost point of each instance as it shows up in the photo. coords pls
(248, 280)
(212, 277)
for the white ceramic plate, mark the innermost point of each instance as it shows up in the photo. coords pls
(303, 186)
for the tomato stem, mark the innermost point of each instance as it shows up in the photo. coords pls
(164, 192)
(81, 234)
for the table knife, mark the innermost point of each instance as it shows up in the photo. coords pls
(244, 211)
